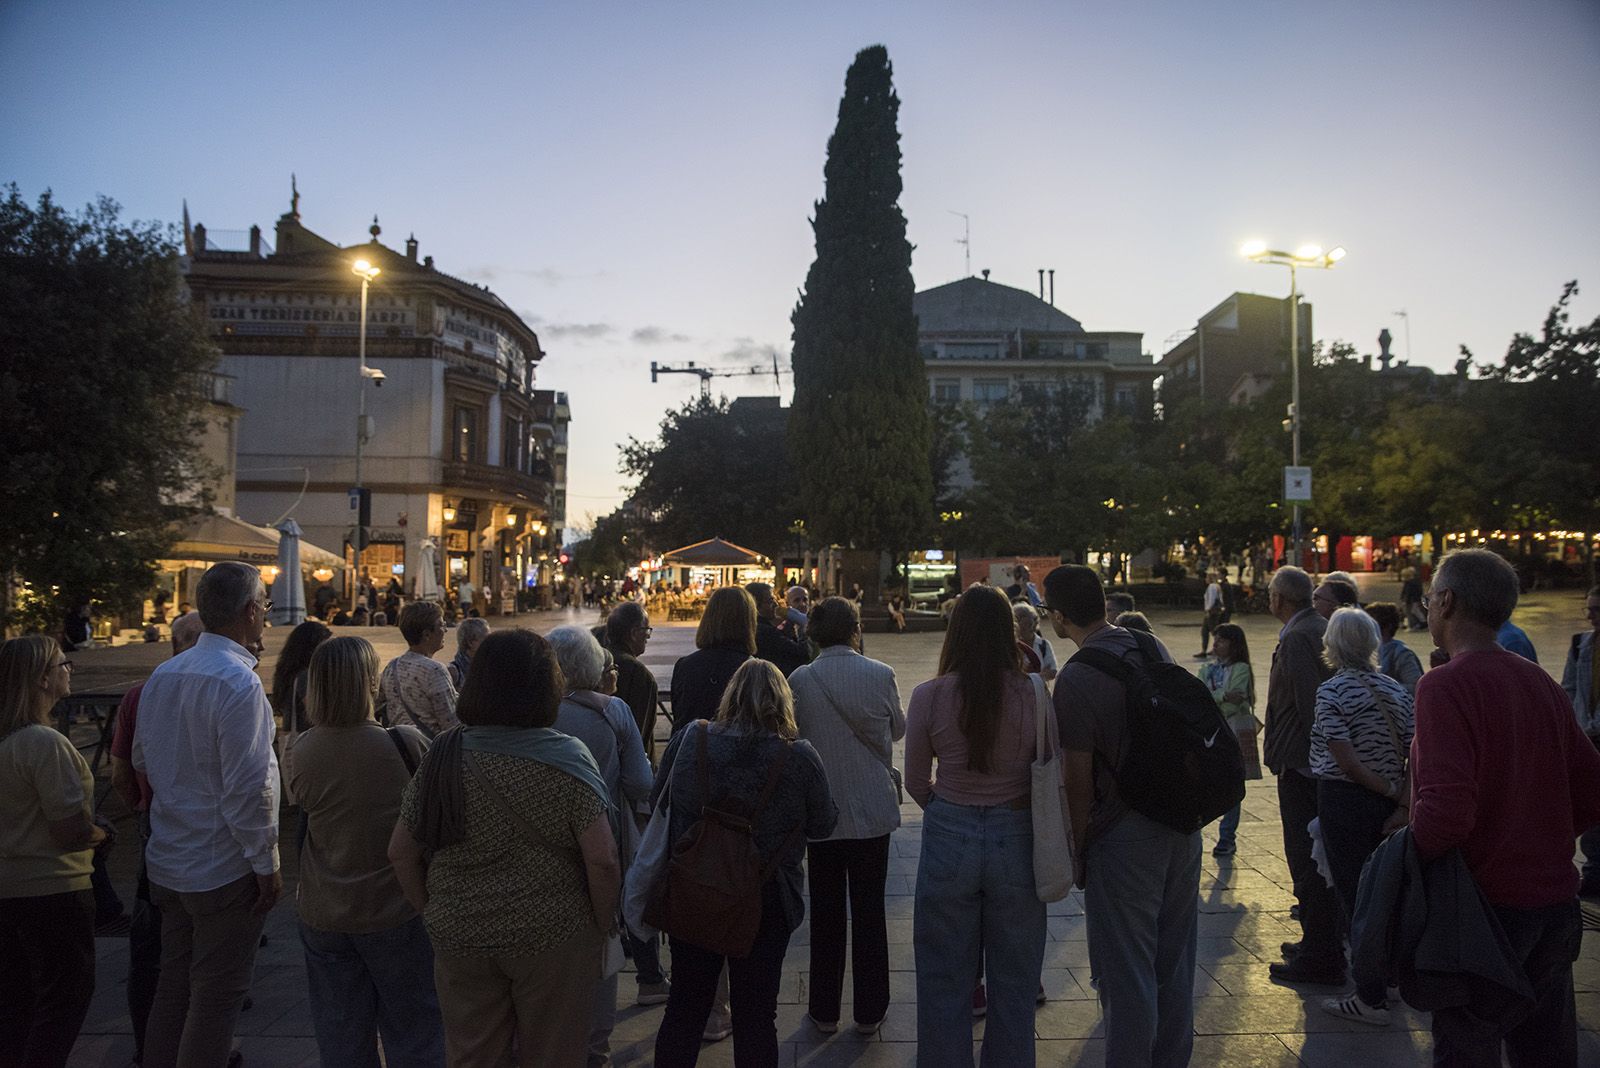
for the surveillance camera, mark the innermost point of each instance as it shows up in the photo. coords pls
(373, 373)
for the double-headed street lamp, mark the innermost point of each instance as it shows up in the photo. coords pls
(1305, 256)
(367, 272)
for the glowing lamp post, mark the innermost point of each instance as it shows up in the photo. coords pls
(1305, 256)
(366, 272)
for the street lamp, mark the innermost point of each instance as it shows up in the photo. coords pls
(366, 272)
(1304, 256)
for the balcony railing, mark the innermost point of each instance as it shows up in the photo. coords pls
(504, 481)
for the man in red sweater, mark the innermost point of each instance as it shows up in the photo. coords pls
(1500, 770)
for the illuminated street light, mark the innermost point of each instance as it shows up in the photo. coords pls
(1305, 256)
(366, 272)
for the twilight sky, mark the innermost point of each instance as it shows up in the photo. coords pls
(636, 179)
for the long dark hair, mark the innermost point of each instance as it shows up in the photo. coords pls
(294, 659)
(980, 649)
(1234, 635)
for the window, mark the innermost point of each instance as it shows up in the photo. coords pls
(464, 431)
(971, 350)
(1125, 398)
(510, 444)
(990, 390)
(1090, 350)
(947, 391)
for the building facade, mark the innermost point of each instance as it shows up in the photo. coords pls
(462, 452)
(1235, 351)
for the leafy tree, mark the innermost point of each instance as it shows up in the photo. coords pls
(100, 411)
(1558, 393)
(610, 548)
(859, 434)
(717, 470)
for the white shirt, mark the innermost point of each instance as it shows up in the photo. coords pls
(205, 743)
(1213, 597)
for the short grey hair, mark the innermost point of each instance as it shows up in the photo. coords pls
(1351, 641)
(186, 630)
(1482, 583)
(582, 662)
(1292, 585)
(225, 590)
(1024, 610)
(470, 630)
(622, 620)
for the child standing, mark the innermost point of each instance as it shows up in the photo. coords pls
(1233, 686)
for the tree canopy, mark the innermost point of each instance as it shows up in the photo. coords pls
(99, 406)
(859, 435)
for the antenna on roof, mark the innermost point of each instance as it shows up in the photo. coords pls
(965, 240)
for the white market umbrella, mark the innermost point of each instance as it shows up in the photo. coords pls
(427, 584)
(289, 591)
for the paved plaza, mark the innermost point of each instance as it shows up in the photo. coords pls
(1241, 1016)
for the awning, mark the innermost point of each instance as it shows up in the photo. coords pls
(713, 552)
(215, 537)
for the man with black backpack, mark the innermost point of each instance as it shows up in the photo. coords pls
(1133, 725)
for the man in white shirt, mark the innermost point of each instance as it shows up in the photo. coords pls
(205, 744)
(1213, 616)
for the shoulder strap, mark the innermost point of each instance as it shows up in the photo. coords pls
(405, 750)
(471, 762)
(1105, 663)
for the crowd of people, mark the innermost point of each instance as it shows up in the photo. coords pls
(467, 830)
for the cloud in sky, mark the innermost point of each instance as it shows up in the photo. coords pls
(567, 331)
(490, 272)
(657, 335)
(746, 350)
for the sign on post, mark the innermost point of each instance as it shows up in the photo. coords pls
(1297, 485)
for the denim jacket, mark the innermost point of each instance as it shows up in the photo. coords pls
(1577, 678)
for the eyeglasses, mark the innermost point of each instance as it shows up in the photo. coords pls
(266, 606)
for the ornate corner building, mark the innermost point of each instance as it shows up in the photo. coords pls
(463, 456)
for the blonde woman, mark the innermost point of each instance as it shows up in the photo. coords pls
(47, 842)
(754, 733)
(369, 964)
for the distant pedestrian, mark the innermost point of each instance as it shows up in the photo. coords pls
(1360, 741)
(1297, 671)
(848, 706)
(1411, 600)
(505, 847)
(1232, 683)
(468, 634)
(205, 744)
(751, 744)
(1580, 678)
(976, 904)
(725, 638)
(1142, 877)
(1502, 771)
(1230, 596)
(415, 688)
(369, 964)
(797, 603)
(1211, 609)
(1395, 658)
(144, 931)
(47, 843)
(605, 726)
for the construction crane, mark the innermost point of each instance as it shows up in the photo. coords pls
(706, 374)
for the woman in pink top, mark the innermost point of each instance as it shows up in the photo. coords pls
(975, 889)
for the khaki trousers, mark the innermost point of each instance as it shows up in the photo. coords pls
(208, 952)
(543, 1000)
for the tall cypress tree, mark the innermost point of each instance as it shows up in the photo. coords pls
(858, 431)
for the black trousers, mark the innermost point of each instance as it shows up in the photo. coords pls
(1319, 909)
(1352, 827)
(857, 867)
(752, 993)
(144, 952)
(1547, 940)
(46, 978)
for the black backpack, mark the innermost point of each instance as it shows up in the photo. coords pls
(1183, 767)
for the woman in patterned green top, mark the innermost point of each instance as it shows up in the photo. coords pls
(505, 847)
(1232, 683)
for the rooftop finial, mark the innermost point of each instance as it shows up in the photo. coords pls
(374, 229)
(294, 197)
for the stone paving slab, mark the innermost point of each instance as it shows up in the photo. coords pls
(1242, 1017)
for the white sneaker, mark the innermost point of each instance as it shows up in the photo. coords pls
(719, 1025)
(1351, 1007)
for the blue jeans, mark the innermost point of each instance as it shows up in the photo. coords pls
(1228, 827)
(364, 985)
(976, 901)
(1142, 906)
